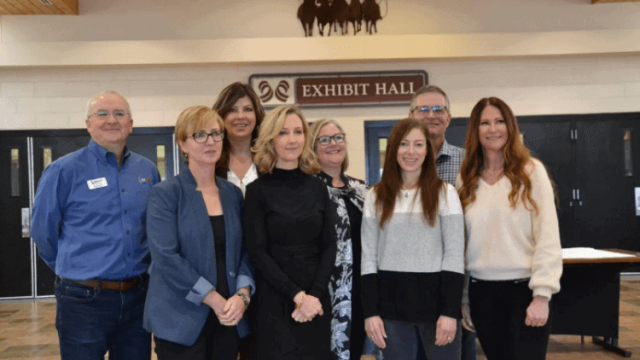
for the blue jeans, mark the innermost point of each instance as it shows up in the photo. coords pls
(468, 346)
(92, 321)
(370, 348)
(403, 341)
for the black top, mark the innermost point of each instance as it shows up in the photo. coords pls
(217, 225)
(290, 236)
(290, 239)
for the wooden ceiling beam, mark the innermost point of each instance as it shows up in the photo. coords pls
(68, 7)
(34, 9)
(45, 9)
(25, 10)
(10, 8)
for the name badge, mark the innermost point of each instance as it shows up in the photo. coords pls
(97, 183)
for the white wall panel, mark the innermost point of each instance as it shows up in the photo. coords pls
(16, 89)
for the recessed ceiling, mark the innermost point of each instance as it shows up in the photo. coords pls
(39, 7)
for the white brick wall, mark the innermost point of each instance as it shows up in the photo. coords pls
(57, 98)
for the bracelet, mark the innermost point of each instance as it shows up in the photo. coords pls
(298, 306)
(244, 298)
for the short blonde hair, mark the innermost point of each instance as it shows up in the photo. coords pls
(194, 119)
(265, 155)
(315, 129)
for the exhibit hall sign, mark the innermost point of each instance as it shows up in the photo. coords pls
(338, 89)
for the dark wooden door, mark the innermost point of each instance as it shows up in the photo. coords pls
(16, 254)
(608, 171)
(549, 139)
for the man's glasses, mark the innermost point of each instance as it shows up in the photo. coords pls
(326, 140)
(103, 114)
(438, 110)
(201, 137)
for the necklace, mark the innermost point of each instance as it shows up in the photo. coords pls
(405, 193)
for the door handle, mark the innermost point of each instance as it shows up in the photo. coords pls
(26, 222)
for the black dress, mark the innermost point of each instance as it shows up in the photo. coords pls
(288, 230)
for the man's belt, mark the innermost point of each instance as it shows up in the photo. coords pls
(118, 285)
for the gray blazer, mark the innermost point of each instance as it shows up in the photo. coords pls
(183, 262)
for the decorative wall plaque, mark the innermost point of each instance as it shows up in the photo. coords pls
(338, 89)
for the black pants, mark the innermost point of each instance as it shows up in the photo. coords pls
(216, 342)
(248, 346)
(498, 311)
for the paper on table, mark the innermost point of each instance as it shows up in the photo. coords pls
(590, 253)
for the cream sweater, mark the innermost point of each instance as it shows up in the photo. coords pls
(504, 243)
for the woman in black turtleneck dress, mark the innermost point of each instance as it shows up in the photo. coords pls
(290, 238)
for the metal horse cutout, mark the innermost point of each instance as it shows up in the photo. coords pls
(340, 13)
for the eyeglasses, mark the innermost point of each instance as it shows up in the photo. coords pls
(326, 140)
(437, 109)
(103, 114)
(201, 137)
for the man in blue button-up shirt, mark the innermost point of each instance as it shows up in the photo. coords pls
(89, 225)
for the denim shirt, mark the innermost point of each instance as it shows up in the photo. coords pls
(89, 214)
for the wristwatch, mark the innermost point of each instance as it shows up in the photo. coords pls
(244, 298)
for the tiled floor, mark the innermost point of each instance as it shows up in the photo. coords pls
(27, 331)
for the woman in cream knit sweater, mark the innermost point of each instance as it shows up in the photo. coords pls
(513, 253)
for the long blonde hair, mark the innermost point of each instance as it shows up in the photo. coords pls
(265, 155)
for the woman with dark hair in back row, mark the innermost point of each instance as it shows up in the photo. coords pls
(240, 108)
(513, 244)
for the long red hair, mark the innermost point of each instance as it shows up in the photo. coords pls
(388, 189)
(516, 157)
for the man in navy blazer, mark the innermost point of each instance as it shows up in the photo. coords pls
(183, 268)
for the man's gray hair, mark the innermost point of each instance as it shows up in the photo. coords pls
(93, 100)
(428, 89)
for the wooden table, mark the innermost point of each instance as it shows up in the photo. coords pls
(589, 299)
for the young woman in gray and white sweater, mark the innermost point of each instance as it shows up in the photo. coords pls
(412, 252)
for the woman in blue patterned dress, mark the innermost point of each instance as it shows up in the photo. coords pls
(328, 141)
